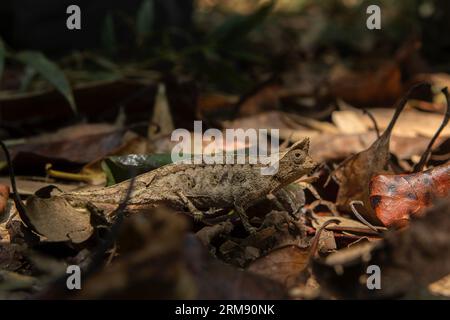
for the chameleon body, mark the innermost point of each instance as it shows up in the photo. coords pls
(206, 186)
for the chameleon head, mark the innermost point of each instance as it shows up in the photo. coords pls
(294, 163)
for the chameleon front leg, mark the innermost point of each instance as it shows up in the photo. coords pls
(244, 219)
(198, 215)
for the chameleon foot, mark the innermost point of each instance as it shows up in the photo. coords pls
(244, 219)
(198, 215)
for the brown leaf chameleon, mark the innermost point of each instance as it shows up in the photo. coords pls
(202, 187)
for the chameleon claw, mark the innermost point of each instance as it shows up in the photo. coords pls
(198, 216)
(251, 230)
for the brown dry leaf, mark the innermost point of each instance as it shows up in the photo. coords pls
(349, 122)
(29, 185)
(283, 265)
(380, 87)
(81, 150)
(412, 123)
(291, 126)
(215, 102)
(340, 146)
(346, 224)
(74, 132)
(57, 220)
(355, 173)
(441, 287)
(265, 98)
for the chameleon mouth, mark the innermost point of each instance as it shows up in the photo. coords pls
(310, 164)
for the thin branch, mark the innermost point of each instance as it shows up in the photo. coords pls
(374, 121)
(425, 156)
(16, 196)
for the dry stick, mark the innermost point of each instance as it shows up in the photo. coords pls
(425, 156)
(16, 196)
(374, 121)
(399, 108)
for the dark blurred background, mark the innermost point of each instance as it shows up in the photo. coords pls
(231, 49)
(40, 24)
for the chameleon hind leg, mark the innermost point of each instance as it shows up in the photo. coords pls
(198, 215)
(244, 219)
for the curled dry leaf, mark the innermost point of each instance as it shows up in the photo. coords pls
(355, 173)
(397, 198)
(57, 220)
(283, 265)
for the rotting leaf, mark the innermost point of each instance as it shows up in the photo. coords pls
(57, 220)
(397, 198)
(355, 173)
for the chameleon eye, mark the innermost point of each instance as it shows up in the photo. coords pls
(298, 156)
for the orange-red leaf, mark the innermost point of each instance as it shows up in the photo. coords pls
(4, 195)
(395, 198)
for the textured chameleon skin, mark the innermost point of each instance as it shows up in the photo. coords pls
(205, 186)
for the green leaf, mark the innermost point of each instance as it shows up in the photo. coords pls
(108, 35)
(2, 58)
(50, 72)
(145, 20)
(120, 168)
(238, 26)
